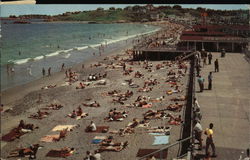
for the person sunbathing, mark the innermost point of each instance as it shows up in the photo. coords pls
(73, 114)
(119, 100)
(151, 114)
(114, 92)
(171, 72)
(160, 129)
(145, 89)
(22, 152)
(174, 120)
(116, 115)
(49, 86)
(179, 98)
(138, 74)
(81, 86)
(66, 151)
(62, 134)
(79, 111)
(39, 115)
(92, 104)
(111, 143)
(129, 93)
(157, 99)
(54, 106)
(176, 107)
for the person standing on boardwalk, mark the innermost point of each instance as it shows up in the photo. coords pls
(210, 78)
(201, 81)
(49, 71)
(43, 72)
(209, 141)
(216, 65)
(210, 57)
(198, 133)
(198, 69)
(223, 53)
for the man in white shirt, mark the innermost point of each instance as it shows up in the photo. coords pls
(92, 126)
(198, 133)
(196, 104)
(97, 155)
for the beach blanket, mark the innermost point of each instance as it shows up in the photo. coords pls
(98, 139)
(157, 134)
(101, 82)
(100, 129)
(56, 153)
(62, 127)
(49, 138)
(12, 135)
(143, 152)
(159, 140)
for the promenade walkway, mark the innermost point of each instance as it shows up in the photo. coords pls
(227, 105)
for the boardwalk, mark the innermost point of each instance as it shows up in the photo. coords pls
(227, 105)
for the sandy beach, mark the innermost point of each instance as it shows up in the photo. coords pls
(23, 102)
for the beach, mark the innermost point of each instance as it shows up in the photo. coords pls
(23, 101)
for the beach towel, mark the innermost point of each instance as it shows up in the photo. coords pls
(56, 153)
(49, 138)
(161, 140)
(157, 134)
(100, 129)
(143, 152)
(98, 139)
(12, 135)
(62, 127)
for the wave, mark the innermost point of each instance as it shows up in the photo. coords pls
(93, 46)
(21, 61)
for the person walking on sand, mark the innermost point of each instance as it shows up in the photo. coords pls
(43, 71)
(39, 98)
(210, 57)
(62, 68)
(216, 65)
(201, 81)
(210, 78)
(49, 71)
(209, 141)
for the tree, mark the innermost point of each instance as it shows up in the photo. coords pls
(100, 9)
(178, 7)
(112, 8)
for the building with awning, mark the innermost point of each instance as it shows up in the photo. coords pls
(215, 37)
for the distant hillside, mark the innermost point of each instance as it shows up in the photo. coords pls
(149, 13)
(97, 15)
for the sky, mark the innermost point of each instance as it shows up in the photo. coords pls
(12, 9)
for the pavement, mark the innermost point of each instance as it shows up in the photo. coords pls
(227, 106)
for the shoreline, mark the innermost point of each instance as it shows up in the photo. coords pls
(73, 52)
(56, 76)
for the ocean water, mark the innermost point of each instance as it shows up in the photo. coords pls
(30, 47)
